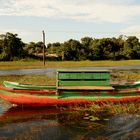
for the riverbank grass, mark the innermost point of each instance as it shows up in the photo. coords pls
(64, 64)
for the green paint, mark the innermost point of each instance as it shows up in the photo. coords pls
(24, 86)
(76, 95)
(84, 75)
(127, 86)
(83, 78)
(83, 83)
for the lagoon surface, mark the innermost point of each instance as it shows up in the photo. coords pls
(53, 70)
(18, 123)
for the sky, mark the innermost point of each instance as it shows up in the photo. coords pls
(69, 19)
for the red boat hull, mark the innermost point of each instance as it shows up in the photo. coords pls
(25, 100)
(28, 97)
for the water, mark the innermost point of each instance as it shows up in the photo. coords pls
(124, 126)
(43, 124)
(50, 71)
(27, 71)
(18, 123)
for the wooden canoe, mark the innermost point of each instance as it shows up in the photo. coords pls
(16, 85)
(29, 91)
(69, 98)
(26, 86)
(127, 86)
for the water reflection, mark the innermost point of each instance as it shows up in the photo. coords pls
(45, 124)
(60, 123)
(4, 107)
(22, 113)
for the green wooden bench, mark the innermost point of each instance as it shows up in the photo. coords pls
(83, 80)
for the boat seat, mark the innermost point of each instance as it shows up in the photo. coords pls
(86, 80)
(85, 88)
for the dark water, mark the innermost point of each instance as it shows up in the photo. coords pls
(53, 70)
(18, 123)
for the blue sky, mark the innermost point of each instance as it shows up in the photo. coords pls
(65, 19)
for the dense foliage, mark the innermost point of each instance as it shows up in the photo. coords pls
(12, 47)
(97, 49)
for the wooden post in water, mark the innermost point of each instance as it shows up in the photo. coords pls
(43, 47)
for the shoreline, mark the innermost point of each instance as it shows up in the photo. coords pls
(10, 65)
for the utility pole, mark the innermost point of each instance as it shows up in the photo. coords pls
(43, 47)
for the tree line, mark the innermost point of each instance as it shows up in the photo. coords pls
(13, 48)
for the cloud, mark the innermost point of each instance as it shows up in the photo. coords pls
(14, 31)
(22, 33)
(84, 10)
(132, 30)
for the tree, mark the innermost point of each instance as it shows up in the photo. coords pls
(87, 45)
(131, 48)
(53, 48)
(86, 41)
(39, 47)
(30, 48)
(73, 50)
(11, 47)
(34, 48)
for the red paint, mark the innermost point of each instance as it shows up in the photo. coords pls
(46, 101)
(23, 97)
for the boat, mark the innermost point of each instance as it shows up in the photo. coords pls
(127, 85)
(29, 91)
(16, 85)
(72, 87)
(67, 97)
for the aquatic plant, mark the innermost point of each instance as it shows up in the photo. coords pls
(110, 109)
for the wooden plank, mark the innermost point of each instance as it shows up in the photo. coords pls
(83, 75)
(83, 83)
(85, 88)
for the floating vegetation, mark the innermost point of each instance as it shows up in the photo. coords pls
(110, 109)
(91, 118)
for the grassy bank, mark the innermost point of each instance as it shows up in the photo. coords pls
(63, 64)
